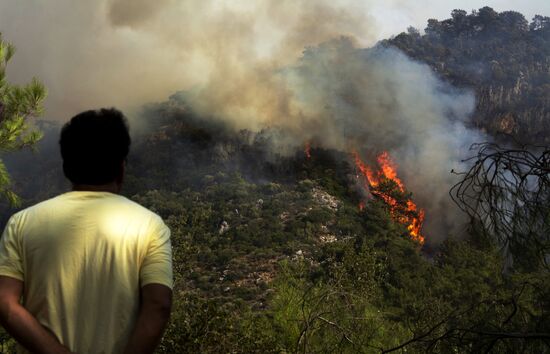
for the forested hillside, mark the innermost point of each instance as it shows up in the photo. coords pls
(277, 254)
(272, 254)
(501, 56)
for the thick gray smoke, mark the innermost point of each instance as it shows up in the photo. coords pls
(127, 52)
(341, 97)
(273, 63)
(373, 100)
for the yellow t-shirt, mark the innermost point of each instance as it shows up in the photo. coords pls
(83, 257)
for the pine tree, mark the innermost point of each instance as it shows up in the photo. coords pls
(17, 105)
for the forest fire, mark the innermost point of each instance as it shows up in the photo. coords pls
(404, 211)
(307, 150)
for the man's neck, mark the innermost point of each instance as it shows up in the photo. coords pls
(112, 187)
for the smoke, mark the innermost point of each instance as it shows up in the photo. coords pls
(122, 13)
(342, 97)
(124, 53)
(377, 99)
(294, 66)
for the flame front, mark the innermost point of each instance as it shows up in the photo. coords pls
(408, 214)
(307, 150)
(372, 179)
(389, 169)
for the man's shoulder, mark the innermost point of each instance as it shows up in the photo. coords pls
(125, 208)
(96, 200)
(136, 208)
(45, 204)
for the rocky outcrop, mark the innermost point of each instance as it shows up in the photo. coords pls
(502, 58)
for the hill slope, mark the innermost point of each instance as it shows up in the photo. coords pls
(501, 56)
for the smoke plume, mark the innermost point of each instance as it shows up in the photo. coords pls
(125, 53)
(373, 100)
(294, 66)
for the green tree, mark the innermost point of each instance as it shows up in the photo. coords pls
(17, 105)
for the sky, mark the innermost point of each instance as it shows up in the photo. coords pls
(396, 17)
(128, 52)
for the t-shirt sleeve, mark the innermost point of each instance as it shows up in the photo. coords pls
(11, 260)
(157, 264)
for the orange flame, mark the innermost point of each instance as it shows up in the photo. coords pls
(307, 150)
(366, 171)
(410, 214)
(389, 169)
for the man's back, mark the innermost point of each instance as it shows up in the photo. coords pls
(83, 257)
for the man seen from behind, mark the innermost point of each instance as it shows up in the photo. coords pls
(88, 271)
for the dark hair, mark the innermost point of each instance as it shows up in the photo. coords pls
(94, 145)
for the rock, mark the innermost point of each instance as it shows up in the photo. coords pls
(325, 199)
(223, 227)
(259, 203)
(327, 238)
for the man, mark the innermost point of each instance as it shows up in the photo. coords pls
(93, 269)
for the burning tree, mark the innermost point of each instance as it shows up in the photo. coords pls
(385, 185)
(506, 193)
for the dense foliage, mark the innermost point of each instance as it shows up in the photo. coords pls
(17, 105)
(502, 57)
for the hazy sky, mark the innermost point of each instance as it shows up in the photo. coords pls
(395, 17)
(126, 52)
